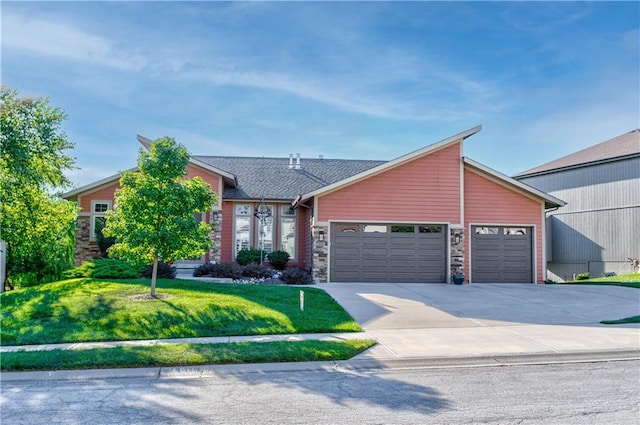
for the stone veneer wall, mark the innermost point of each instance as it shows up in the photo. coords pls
(320, 252)
(457, 251)
(215, 253)
(86, 249)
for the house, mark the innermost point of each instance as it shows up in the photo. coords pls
(599, 228)
(421, 217)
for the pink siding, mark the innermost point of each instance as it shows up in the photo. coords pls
(106, 193)
(226, 250)
(305, 256)
(426, 189)
(486, 202)
(212, 179)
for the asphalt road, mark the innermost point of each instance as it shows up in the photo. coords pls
(603, 392)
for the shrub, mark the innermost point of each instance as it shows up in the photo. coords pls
(104, 268)
(104, 243)
(165, 270)
(296, 276)
(250, 256)
(257, 271)
(582, 276)
(83, 270)
(226, 270)
(278, 259)
(112, 268)
(203, 270)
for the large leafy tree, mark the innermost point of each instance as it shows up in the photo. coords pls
(154, 210)
(37, 225)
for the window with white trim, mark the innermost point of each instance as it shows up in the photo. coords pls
(98, 216)
(265, 233)
(288, 230)
(242, 228)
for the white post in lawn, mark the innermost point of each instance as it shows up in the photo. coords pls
(301, 300)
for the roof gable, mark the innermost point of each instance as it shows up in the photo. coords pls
(393, 163)
(513, 184)
(620, 146)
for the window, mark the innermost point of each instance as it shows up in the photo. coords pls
(430, 229)
(403, 229)
(98, 216)
(265, 232)
(375, 228)
(288, 230)
(242, 228)
(515, 231)
(347, 228)
(486, 230)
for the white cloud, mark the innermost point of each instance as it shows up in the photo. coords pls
(57, 39)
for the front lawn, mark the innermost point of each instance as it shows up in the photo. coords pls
(629, 280)
(183, 355)
(81, 310)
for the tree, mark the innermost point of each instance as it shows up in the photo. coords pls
(37, 225)
(154, 210)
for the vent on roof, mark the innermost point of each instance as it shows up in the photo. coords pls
(297, 161)
(290, 161)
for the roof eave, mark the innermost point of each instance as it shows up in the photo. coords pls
(229, 178)
(393, 163)
(95, 184)
(527, 174)
(550, 201)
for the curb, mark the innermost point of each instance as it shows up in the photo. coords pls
(353, 365)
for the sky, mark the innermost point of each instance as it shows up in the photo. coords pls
(353, 80)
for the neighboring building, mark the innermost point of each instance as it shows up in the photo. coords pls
(421, 217)
(599, 228)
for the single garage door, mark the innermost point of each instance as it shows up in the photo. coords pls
(501, 254)
(388, 253)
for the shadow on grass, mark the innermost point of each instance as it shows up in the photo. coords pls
(101, 310)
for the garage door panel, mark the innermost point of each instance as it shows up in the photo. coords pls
(347, 261)
(374, 252)
(347, 252)
(402, 265)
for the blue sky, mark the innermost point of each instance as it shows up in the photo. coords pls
(357, 80)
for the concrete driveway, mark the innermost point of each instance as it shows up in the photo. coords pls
(433, 320)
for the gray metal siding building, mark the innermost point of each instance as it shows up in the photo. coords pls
(599, 228)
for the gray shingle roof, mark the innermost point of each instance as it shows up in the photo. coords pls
(623, 145)
(272, 179)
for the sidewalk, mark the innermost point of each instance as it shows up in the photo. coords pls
(203, 340)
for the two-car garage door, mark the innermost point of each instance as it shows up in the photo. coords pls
(388, 253)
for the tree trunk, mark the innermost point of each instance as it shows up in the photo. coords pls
(154, 276)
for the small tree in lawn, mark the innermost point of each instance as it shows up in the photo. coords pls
(154, 210)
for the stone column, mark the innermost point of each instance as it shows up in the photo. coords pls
(215, 219)
(320, 251)
(456, 235)
(86, 248)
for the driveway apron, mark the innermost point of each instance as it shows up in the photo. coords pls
(439, 320)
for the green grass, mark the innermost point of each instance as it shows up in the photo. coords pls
(628, 280)
(632, 319)
(81, 310)
(183, 355)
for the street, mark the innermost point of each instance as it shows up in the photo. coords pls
(572, 393)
